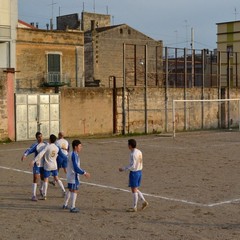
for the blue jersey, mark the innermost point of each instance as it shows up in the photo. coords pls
(73, 168)
(35, 148)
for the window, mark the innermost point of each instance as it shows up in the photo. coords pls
(53, 67)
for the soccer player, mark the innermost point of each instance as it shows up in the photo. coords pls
(135, 175)
(38, 166)
(50, 154)
(61, 162)
(73, 172)
(64, 145)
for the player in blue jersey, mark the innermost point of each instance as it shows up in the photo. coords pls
(135, 174)
(50, 154)
(73, 172)
(38, 166)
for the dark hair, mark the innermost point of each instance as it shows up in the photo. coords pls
(38, 134)
(132, 143)
(75, 143)
(53, 138)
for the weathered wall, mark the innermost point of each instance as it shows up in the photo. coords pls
(86, 111)
(7, 129)
(189, 116)
(3, 107)
(32, 49)
(90, 110)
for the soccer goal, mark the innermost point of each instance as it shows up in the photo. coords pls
(205, 114)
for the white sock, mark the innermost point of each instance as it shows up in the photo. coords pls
(73, 199)
(61, 185)
(34, 189)
(45, 187)
(135, 199)
(67, 197)
(141, 196)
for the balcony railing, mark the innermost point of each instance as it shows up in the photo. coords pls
(56, 79)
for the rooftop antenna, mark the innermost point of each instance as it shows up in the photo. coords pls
(107, 9)
(186, 22)
(235, 13)
(94, 6)
(83, 6)
(112, 20)
(51, 20)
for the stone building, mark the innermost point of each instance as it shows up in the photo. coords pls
(228, 46)
(123, 52)
(48, 59)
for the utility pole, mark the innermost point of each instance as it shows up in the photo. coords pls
(193, 56)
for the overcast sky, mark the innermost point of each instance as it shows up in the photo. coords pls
(168, 20)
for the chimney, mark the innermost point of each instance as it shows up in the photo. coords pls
(36, 24)
(92, 25)
(47, 25)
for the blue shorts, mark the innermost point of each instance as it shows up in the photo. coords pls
(135, 179)
(38, 170)
(73, 186)
(61, 163)
(47, 174)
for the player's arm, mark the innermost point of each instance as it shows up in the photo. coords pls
(29, 151)
(130, 167)
(40, 155)
(77, 169)
(61, 155)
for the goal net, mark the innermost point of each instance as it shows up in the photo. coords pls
(205, 114)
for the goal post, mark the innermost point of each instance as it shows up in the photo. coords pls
(202, 102)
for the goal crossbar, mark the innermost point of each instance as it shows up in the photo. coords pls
(202, 100)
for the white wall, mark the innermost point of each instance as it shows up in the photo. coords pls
(8, 25)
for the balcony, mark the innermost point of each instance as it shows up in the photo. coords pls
(55, 79)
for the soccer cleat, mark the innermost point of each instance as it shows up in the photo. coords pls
(65, 207)
(34, 198)
(134, 209)
(41, 192)
(44, 198)
(144, 205)
(74, 210)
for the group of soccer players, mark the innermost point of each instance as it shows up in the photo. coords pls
(49, 158)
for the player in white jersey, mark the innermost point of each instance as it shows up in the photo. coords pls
(50, 154)
(73, 172)
(38, 167)
(61, 162)
(135, 175)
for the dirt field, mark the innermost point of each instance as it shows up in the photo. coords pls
(192, 184)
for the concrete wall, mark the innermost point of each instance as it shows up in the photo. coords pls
(90, 111)
(86, 111)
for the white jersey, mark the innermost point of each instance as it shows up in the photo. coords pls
(73, 168)
(49, 153)
(39, 148)
(135, 161)
(64, 145)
